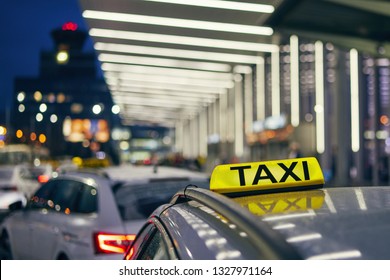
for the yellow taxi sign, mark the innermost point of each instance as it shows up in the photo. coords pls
(267, 175)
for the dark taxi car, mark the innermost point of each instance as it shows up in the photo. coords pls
(268, 210)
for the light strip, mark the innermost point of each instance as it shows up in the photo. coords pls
(294, 72)
(260, 89)
(304, 237)
(163, 91)
(360, 198)
(134, 121)
(141, 108)
(309, 213)
(337, 255)
(238, 118)
(230, 5)
(148, 116)
(139, 69)
(170, 80)
(159, 121)
(154, 106)
(194, 126)
(177, 22)
(275, 72)
(171, 94)
(203, 133)
(179, 136)
(138, 113)
(248, 103)
(319, 107)
(223, 124)
(214, 91)
(329, 202)
(355, 113)
(174, 63)
(183, 40)
(284, 226)
(194, 101)
(143, 113)
(159, 101)
(179, 53)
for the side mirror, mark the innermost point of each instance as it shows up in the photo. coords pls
(18, 205)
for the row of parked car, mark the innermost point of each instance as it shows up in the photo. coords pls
(87, 214)
(278, 209)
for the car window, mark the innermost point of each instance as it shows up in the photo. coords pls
(65, 195)
(155, 248)
(142, 237)
(41, 198)
(88, 200)
(139, 201)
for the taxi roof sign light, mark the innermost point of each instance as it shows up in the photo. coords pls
(276, 175)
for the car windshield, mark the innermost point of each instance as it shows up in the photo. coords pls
(137, 201)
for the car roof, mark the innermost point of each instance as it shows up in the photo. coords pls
(328, 223)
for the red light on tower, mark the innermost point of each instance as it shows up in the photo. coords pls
(69, 26)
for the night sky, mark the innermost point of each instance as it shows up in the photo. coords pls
(25, 28)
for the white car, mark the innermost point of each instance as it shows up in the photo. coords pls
(86, 216)
(18, 178)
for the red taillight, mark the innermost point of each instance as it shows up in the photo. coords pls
(43, 178)
(112, 243)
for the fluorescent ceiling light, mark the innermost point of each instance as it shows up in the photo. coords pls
(161, 110)
(179, 53)
(170, 94)
(136, 111)
(230, 5)
(124, 84)
(161, 122)
(183, 40)
(141, 69)
(151, 117)
(118, 79)
(176, 22)
(183, 98)
(164, 62)
(179, 102)
(164, 102)
(155, 90)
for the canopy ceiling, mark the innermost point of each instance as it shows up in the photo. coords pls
(166, 60)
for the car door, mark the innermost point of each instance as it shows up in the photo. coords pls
(80, 224)
(24, 223)
(48, 231)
